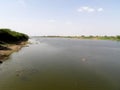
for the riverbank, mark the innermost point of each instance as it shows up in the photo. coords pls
(11, 48)
(114, 38)
(11, 41)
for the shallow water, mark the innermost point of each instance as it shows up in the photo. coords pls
(63, 64)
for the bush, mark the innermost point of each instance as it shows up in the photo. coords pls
(8, 36)
(118, 37)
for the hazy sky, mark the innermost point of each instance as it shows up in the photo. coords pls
(61, 17)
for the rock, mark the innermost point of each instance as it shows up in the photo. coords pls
(4, 48)
(1, 62)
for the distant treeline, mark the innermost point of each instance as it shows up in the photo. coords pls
(89, 37)
(9, 36)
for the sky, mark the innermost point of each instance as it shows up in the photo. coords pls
(61, 17)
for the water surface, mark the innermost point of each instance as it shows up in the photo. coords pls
(63, 64)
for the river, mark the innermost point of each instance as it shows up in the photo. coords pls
(63, 64)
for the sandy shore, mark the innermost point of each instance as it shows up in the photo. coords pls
(4, 54)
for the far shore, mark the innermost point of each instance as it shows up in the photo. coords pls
(114, 38)
(4, 54)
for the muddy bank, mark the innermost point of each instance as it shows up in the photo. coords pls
(6, 51)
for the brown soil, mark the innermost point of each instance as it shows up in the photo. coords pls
(4, 54)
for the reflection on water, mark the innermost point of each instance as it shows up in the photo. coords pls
(63, 64)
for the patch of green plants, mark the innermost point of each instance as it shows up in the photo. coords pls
(9, 36)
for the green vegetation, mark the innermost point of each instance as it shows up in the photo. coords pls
(12, 37)
(89, 37)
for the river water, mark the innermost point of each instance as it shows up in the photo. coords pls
(63, 64)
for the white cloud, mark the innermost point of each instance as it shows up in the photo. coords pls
(22, 3)
(86, 9)
(89, 9)
(51, 20)
(100, 9)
